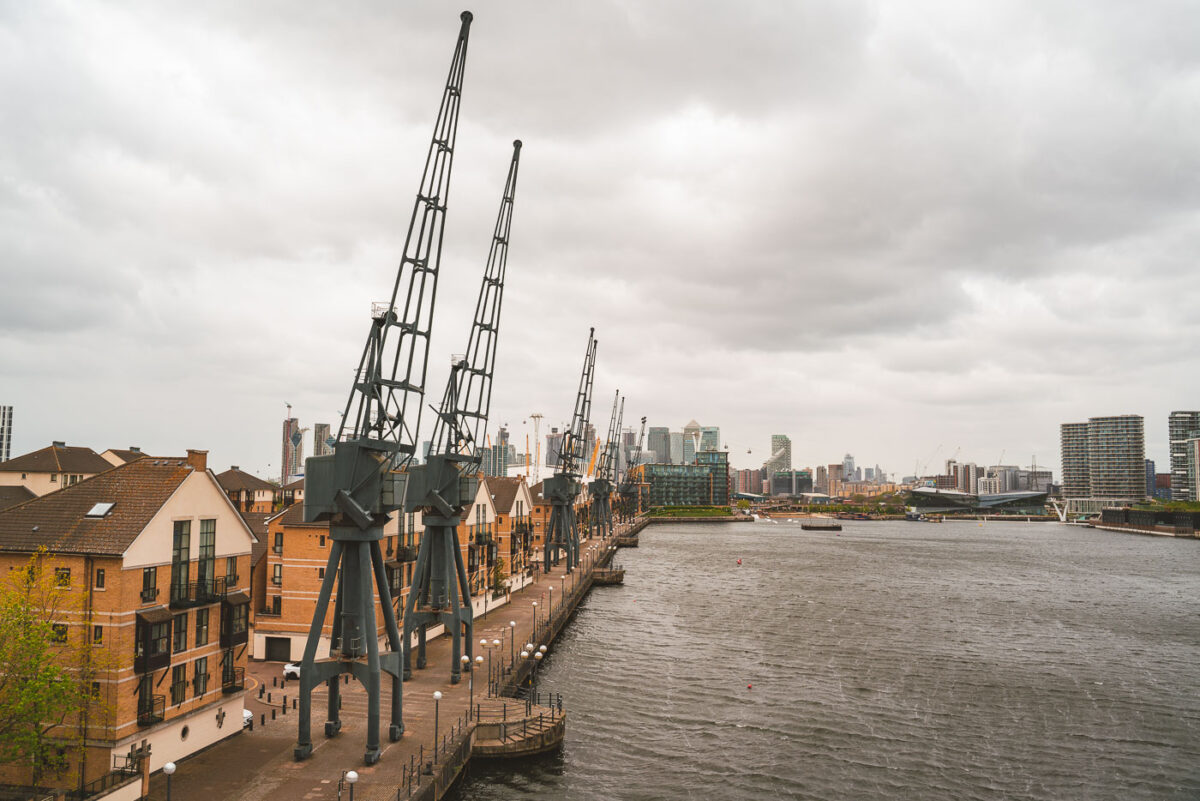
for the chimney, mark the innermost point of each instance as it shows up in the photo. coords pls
(198, 460)
(135, 449)
(234, 467)
(59, 444)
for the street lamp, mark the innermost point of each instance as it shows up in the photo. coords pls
(437, 697)
(466, 663)
(495, 644)
(512, 641)
(349, 777)
(168, 769)
(537, 660)
(550, 613)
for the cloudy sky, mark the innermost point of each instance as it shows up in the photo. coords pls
(902, 230)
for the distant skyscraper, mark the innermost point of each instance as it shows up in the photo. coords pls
(1115, 457)
(781, 455)
(821, 482)
(6, 415)
(691, 438)
(321, 438)
(710, 438)
(658, 439)
(676, 450)
(292, 458)
(848, 467)
(554, 442)
(1181, 426)
(1150, 477)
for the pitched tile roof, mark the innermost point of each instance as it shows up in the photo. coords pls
(59, 520)
(297, 484)
(235, 479)
(257, 523)
(536, 492)
(294, 516)
(57, 459)
(504, 491)
(11, 496)
(127, 455)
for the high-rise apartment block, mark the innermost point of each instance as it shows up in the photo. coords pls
(292, 458)
(781, 455)
(322, 444)
(1105, 458)
(1182, 426)
(676, 447)
(6, 414)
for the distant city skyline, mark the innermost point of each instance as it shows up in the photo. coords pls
(896, 226)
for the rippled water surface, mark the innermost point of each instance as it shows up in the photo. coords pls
(890, 661)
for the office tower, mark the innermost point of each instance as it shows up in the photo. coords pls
(710, 438)
(821, 481)
(676, 447)
(848, 467)
(658, 439)
(1181, 426)
(554, 443)
(6, 415)
(691, 442)
(780, 458)
(322, 442)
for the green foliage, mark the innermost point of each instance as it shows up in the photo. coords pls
(690, 511)
(44, 687)
(498, 585)
(743, 504)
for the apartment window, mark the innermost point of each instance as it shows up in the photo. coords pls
(278, 542)
(149, 584)
(239, 617)
(277, 574)
(230, 571)
(178, 684)
(95, 689)
(58, 632)
(160, 633)
(62, 576)
(200, 679)
(201, 627)
(180, 632)
(276, 605)
(97, 634)
(100, 578)
(180, 552)
(206, 569)
(322, 540)
(54, 478)
(320, 572)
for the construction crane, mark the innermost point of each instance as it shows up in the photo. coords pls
(536, 417)
(562, 488)
(356, 487)
(446, 484)
(601, 489)
(629, 489)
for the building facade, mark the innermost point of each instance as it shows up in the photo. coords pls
(1105, 458)
(50, 469)
(1076, 475)
(781, 455)
(161, 561)
(322, 445)
(1182, 426)
(658, 439)
(6, 418)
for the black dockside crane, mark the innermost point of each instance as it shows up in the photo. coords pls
(600, 523)
(356, 487)
(442, 487)
(562, 488)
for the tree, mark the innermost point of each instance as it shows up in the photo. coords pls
(47, 667)
(498, 585)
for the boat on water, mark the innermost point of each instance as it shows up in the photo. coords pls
(822, 526)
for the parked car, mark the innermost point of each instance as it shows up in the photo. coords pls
(247, 719)
(291, 671)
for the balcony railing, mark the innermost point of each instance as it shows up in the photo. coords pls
(233, 679)
(483, 537)
(406, 553)
(197, 593)
(149, 595)
(152, 710)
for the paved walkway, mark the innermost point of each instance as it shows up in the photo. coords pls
(259, 765)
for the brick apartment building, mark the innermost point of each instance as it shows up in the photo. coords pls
(52, 468)
(249, 493)
(163, 561)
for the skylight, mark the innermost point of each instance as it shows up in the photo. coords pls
(100, 510)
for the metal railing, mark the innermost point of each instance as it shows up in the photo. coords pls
(149, 594)
(152, 711)
(233, 679)
(198, 593)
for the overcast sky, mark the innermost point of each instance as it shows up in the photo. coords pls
(900, 230)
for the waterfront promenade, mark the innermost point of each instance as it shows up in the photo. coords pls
(258, 765)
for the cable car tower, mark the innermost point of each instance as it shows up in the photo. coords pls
(563, 487)
(356, 486)
(446, 484)
(601, 488)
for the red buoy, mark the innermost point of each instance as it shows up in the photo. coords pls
(739, 561)
(749, 686)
